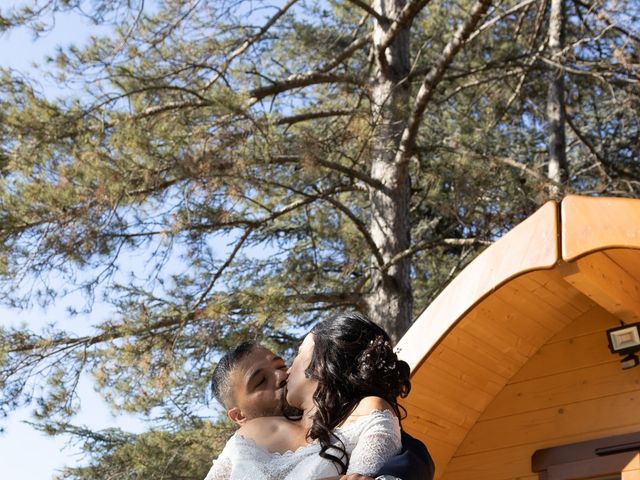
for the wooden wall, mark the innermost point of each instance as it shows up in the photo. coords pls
(572, 389)
(512, 356)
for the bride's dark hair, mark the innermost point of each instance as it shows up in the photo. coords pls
(352, 359)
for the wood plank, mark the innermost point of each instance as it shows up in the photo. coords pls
(461, 370)
(457, 409)
(603, 413)
(427, 425)
(552, 280)
(606, 283)
(563, 388)
(568, 355)
(595, 223)
(493, 347)
(515, 461)
(504, 464)
(440, 451)
(524, 292)
(496, 318)
(523, 301)
(632, 470)
(474, 345)
(628, 259)
(634, 464)
(531, 245)
(554, 299)
(631, 475)
(595, 320)
(432, 431)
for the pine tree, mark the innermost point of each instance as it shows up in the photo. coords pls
(268, 164)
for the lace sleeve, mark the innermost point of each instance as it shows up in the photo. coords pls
(221, 468)
(379, 440)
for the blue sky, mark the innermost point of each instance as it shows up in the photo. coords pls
(26, 454)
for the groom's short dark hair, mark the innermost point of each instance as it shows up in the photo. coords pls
(220, 382)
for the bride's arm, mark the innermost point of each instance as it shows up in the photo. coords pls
(221, 468)
(380, 438)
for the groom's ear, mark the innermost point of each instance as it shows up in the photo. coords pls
(236, 416)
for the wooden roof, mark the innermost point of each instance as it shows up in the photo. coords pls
(498, 312)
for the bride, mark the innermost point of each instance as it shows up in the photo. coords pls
(346, 380)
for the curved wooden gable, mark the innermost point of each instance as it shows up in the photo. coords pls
(497, 357)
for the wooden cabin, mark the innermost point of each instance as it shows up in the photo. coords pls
(512, 375)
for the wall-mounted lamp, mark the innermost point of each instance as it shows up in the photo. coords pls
(625, 341)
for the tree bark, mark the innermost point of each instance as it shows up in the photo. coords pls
(558, 167)
(390, 302)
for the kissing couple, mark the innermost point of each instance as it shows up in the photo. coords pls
(334, 414)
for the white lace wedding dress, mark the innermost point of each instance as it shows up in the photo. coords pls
(369, 441)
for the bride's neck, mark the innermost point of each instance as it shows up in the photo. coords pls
(307, 416)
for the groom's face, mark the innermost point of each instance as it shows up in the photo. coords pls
(258, 386)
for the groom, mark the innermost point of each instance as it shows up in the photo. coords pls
(249, 382)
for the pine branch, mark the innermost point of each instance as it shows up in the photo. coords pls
(356, 45)
(340, 298)
(241, 241)
(320, 76)
(405, 17)
(42, 349)
(528, 68)
(360, 226)
(600, 161)
(370, 11)
(530, 60)
(502, 16)
(113, 332)
(168, 107)
(432, 79)
(303, 117)
(351, 172)
(604, 15)
(422, 246)
(481, 81)
(300, 81)
(248, 42)
(419, 73)
(429, 244)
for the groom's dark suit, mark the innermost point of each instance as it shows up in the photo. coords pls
(412, 463)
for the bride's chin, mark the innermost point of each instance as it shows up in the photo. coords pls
(290, 411)
(288, 400)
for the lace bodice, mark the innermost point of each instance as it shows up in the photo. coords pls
(369, 441)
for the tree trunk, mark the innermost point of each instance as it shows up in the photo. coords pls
(390, 302)
(558, 168)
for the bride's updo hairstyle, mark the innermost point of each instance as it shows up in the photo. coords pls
(352, 359)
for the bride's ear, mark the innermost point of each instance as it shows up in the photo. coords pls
(236, 416)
